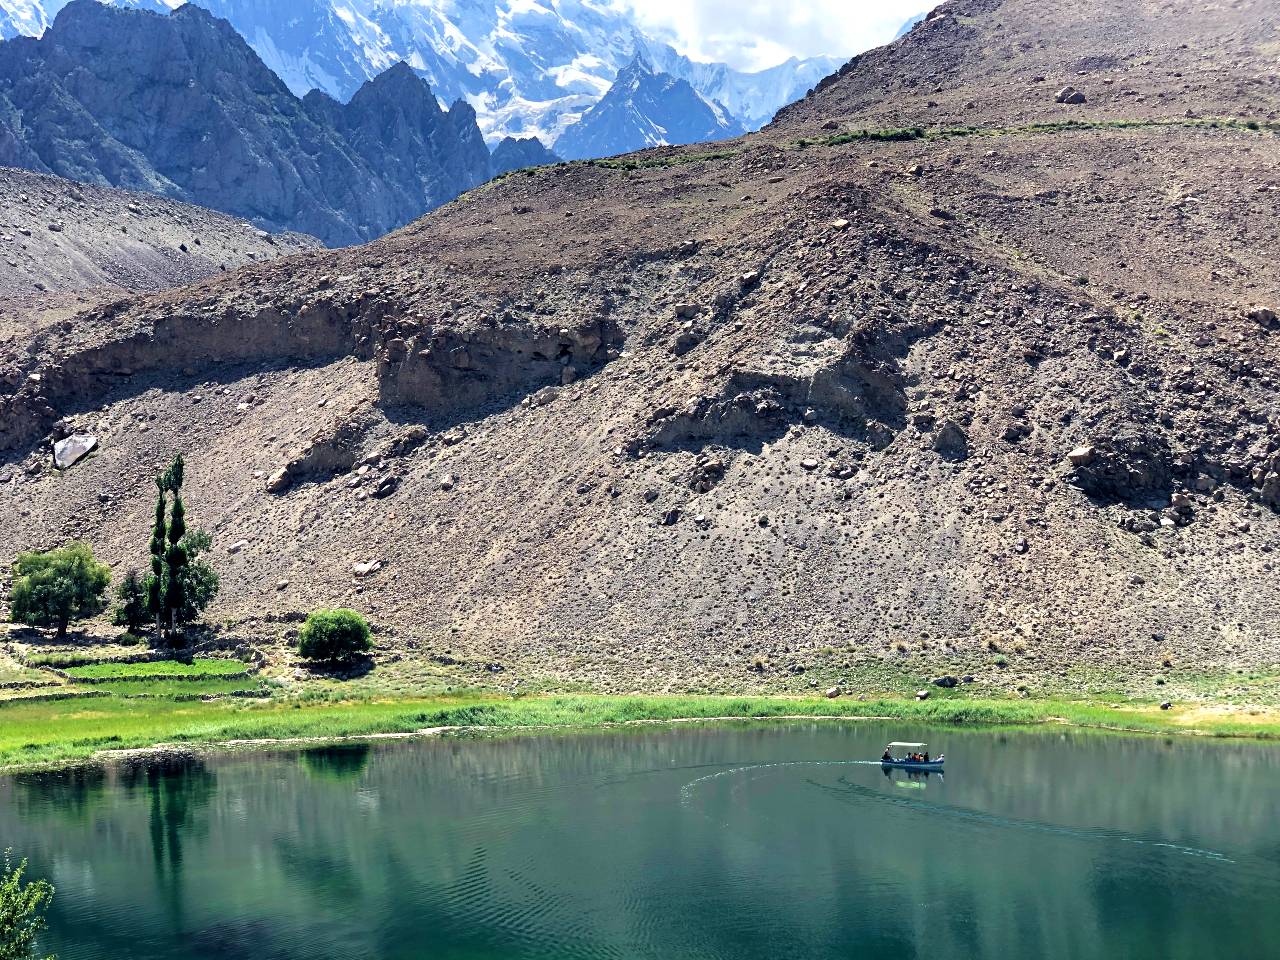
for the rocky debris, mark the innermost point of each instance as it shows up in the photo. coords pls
(71, 450)
(91, 252)
(1265, 316)
(1266, 480)
(708, 471)
(1069, 95)
(1126, 466)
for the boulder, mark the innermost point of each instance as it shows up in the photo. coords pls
(832, 693)
(946, 682)
(71, 450)
(1081, 455)
(366, 569)
(1265, 316)
(279, 481)
(951, 441)
(1267, 479)
(922, 694)
(1070, 95)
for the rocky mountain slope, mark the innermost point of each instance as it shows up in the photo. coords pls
(179, 105)
(516, 154)
(64, 245)
(939, 372)
(527, 69)
(646, 109)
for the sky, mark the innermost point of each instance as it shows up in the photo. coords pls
(754, 34)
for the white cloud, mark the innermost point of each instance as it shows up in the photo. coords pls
(753, 34)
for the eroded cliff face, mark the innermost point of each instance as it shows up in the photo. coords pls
(687, 421)
(180, 105)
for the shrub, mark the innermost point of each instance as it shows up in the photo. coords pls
(333, 635)
(22, 907)
(52, 589)
(131, 606)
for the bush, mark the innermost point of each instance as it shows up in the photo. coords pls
(131, 606)
(22, 907)
(334, 635)
(52, 589)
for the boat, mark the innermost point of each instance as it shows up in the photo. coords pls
(905, 762)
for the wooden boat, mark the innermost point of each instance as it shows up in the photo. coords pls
(908, 764)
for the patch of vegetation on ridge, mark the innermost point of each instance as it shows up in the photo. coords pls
(631, 162)
(901, 134)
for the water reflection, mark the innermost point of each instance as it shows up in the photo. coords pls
(745, 842)
(340, 762)
(176, 789)
(72, 794)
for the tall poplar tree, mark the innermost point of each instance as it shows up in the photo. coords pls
(181, 585)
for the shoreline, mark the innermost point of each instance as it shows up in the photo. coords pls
(60, 742)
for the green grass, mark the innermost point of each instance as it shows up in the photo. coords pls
(41, 733)
(900, 134)
(199, 668)
(633, 162)
(184, 688)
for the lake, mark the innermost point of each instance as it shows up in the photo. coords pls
(739, 841)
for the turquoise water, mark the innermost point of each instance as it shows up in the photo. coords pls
(764, 841)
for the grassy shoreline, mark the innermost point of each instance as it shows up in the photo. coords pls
(50, 734)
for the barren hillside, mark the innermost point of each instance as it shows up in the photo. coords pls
(994, 381)
(65, 244)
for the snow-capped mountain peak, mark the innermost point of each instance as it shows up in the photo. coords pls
(527, 67)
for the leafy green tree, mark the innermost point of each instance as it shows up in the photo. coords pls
(199, 580)
(332, 635)
(22, 907)
(132, 610)
(51, 589)
(181, 585)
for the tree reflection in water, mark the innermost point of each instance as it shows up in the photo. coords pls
(342, 762)
(177, 788)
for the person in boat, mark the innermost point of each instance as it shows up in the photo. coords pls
(926, 756)
(888, 755)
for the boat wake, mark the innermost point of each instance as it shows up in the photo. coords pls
(847, 791)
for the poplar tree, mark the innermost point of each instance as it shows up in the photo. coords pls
(181, 585)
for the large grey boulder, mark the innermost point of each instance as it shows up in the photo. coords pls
(70, 451)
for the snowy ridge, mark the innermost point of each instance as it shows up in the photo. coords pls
(527, 67)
